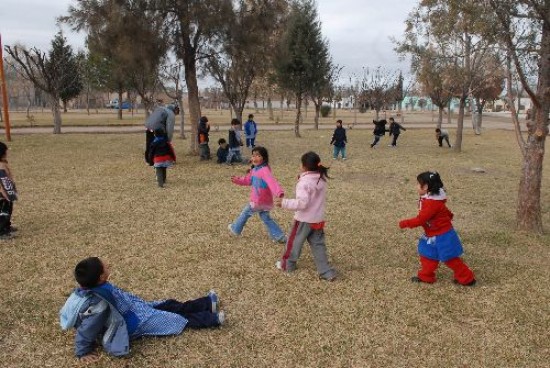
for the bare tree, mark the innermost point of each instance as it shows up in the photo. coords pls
(377, 88)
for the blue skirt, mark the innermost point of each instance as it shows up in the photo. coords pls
(440, 247)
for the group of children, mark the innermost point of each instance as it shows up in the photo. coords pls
(103, 313)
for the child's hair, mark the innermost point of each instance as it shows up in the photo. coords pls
(3, 149)
(251, 116)
(392, 120)
(312, 162)
(235, 121)
(203, 119)
(263, 152)
(88, 271)
(437, 130)
(221, 141)
(338, 121)
(432, 180)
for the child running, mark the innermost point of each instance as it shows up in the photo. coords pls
(440, 243)
(264, 187)
(161, 156)
(102, 312)
(395, 130)
(309, 218)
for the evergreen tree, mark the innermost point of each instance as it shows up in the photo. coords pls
(303, 60)
(62, 61)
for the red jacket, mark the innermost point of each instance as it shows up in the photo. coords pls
(433, 215)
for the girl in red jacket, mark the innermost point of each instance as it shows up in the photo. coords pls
(440, 243)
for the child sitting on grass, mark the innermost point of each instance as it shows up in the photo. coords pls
(223, 151)
(102, 312)
(440, 243)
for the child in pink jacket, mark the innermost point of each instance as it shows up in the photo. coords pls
(309, 218)
(264, 187)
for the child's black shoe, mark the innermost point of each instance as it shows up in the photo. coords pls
(418, 280)
(471, 283)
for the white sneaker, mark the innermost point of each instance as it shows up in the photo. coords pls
(221, 318)
(279, 265)
(215, 301)
(230, 228)
(343, 159)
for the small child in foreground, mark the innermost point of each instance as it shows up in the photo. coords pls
(309, 218)
(102, 312)
(8, 194)
(440, 243)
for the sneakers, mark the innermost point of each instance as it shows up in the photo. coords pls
(471, 283)
(230, 228)
(279, 265)
(343, 159)
(221, 318)
(330, 278)
(215, 301)
(281, 240)
(418, 280)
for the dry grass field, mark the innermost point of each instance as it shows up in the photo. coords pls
(83, 195)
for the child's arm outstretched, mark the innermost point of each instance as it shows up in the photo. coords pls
(242, 180)
(427, 212)
(299, 203)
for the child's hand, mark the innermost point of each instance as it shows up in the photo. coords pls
(278, 202)
(234, 179)
(89, 358)
(402, 224)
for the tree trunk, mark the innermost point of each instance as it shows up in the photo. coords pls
(193, 99)
(238, 112)
(270, 108)
(119, 112)
(182, 118)
(376, 114)
(449, 117)
(440, 116)
(460, 124)
(88, 100)
(298, 115)
(56, 116)
(529, 208)
(316, 117)
(64, 106)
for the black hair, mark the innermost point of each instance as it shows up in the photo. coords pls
(235, 121)
(263, 152)
(251, 116)
(338, 121)
(203, 119)
(432, 180)
(221, 141)
(392, 119)
(437, 130)
(3, 149)
(312, 162)
(88, 271)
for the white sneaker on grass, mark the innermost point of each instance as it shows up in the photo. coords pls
(230, 228)
(221, 318)
(215, 300)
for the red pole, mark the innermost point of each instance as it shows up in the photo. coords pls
(4, 93)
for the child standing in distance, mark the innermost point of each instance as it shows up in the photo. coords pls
(203, 132)
(339, 140)
(102, 312)
(379, 131)
(441, 135)
(8, 195)
(309, 218)
(263, 187)
(161, 156)
(395, 130)
(250, 130)
(235, 143)
(440, 243)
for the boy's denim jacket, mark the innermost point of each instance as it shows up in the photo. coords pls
(93, 314)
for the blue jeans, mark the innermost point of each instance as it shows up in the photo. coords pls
(274, 230)
(338, 150)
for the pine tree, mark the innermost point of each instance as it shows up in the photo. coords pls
(63, 62)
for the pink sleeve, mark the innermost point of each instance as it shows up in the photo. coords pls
(273, 185)
(243, 180)
(300, 202)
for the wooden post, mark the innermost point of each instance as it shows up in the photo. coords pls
(4, 94)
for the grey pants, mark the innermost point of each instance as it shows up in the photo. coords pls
(204, 151)
(234, 155)
(302, 231)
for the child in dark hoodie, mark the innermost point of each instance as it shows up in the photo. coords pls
(339, 140)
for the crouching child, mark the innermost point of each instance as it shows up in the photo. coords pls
(104, 314)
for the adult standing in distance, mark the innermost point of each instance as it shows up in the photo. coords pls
(163, 117)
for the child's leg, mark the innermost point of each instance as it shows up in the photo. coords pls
(394, 142)
(447, 140)
(5, 215)
(343, 152)
(203, 304)
(440, 141)
(273, 228)
(316, 240)
(160, 177)
(335, 152)
(294, 244)
(375, 142)
(253, 142)
(164, 169)
(238, 225)
(462, 273)
(427, 270)
(230, 155)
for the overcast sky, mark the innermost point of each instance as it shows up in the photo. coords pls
(359, 31)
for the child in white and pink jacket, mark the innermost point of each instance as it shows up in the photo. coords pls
(264, 188)
(309, 218)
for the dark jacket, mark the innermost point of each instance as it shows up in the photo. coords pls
(395, 128)
(339, 137)
(379, 127)
(233, 141)
(222, 154)
(203, 132)
(161, 150)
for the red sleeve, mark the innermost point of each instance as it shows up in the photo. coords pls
(427, 211)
